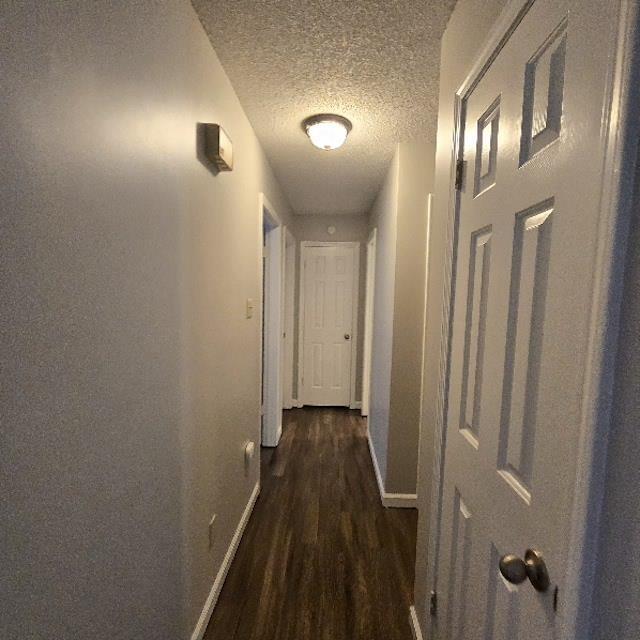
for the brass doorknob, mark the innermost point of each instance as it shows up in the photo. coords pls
(516, 570)
(347, 336)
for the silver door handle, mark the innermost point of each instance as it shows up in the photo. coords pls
(515, 570)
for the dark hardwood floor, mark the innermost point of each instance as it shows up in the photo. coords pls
(321, 558)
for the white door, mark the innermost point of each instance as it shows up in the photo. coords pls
(525, 260)
(329, 306)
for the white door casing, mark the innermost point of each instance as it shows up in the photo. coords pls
(368, 321)
(328, 303)
(525, 361)
(273, 310)
(289, 311)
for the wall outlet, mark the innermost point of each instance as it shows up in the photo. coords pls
(211, 523)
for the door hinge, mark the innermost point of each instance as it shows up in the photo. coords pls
(460, 167)
(433, 603)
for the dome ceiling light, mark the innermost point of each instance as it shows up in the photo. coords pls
(327, 131)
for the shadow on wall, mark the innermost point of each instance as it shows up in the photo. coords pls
(201, 149)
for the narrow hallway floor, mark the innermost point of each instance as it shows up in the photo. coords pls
(321, 557)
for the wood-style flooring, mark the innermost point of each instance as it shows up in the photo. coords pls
(321, 558)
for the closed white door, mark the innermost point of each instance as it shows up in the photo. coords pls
(526, 252)
(328, 323)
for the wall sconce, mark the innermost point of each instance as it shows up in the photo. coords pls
(217, 147)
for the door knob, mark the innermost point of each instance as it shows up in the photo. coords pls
(516, 570)
(347, 336)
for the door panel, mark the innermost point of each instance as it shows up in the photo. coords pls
(328, 318)
(526, 231)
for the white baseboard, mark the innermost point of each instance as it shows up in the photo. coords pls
(356, 405)
(376, 467)
(297, 404)
(395, 500)
(210, 604)
(400, 500)
(415, 624)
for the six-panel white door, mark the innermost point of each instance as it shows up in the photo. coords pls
(329, 303)
(524, 263)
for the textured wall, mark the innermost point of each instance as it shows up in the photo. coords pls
(348, 229)
(467, 29)
(131, 376)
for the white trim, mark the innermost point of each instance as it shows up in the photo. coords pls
(356, 405)
(598, 379)
(289, 295)
(214, 594)
(376, 466)
(395, 500)
(272, 307)
(296, 404)
(400, 500)
(306, 244)
(415, 624)
(370, 279)
(620, 127)
(275, 440)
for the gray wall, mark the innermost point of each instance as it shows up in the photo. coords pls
(383, 217)
(400, 216)
(131, 376)
(616, 609)
(348, 229)
(417, 161)
(466, 32)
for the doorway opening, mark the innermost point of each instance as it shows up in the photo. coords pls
(328, 323)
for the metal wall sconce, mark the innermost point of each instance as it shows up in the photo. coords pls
(217, 147)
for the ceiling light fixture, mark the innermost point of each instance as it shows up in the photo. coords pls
(327, 131)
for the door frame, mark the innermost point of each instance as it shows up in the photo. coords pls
(272, 309)
(424, 425)
(370, 284)
(620, 131)
(289, 319)
(305, 245)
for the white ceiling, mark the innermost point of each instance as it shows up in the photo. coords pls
(372, 61)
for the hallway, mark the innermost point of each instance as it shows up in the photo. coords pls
(321, 557)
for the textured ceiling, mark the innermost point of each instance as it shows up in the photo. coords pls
(373, 61)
